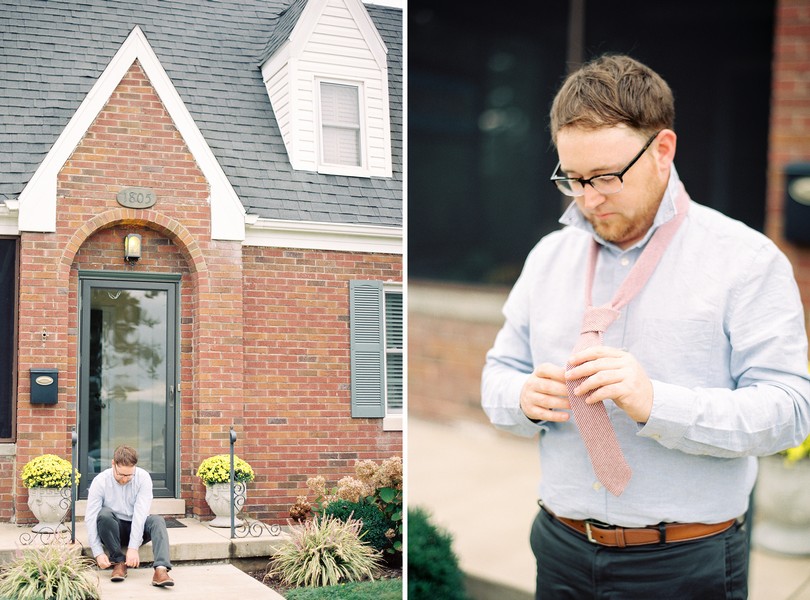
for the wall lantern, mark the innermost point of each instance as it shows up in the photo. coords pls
(132, 247)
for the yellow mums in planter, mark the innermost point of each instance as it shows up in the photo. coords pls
(217, 469)
(798, 453)
(47, 471)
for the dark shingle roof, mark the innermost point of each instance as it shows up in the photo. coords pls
(52, 52)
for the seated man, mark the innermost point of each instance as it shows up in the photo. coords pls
(118, 516)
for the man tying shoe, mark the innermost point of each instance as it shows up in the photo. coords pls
(118, 516)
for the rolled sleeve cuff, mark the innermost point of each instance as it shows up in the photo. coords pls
(671, 415)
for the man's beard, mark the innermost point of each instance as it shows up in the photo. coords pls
(621, 229)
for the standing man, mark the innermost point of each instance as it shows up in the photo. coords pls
(691, 360)
(118, 517)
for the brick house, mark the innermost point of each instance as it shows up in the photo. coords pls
(256, 149)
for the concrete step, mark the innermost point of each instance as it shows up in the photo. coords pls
(207, 563)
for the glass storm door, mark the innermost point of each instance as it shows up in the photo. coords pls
(127, 382)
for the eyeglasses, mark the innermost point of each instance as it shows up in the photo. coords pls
(122, 475)
(609, 183)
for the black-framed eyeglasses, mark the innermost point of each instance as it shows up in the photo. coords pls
(122, 475)
(608, 183)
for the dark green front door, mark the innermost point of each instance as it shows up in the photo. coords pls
(128, 387)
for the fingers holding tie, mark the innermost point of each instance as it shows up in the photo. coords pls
(544, 396)
(611, 373)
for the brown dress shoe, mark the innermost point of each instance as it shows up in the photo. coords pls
(119, 572)
(161, 578)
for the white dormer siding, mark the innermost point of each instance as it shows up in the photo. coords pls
(333, 42)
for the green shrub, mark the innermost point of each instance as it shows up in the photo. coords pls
(324, 551)
(51, 572)
(374, 522)
(433, 570)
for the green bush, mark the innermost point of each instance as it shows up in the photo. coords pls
(324, 551)
(51, 572)
(375, 524)
(433, 570)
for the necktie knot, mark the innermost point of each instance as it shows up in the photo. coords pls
(597, 319)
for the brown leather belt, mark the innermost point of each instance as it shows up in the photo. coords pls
(621, 537)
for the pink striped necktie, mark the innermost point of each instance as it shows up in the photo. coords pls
(592, 420)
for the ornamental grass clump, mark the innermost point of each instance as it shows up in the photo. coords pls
(217, 469)
(324, 551)
(50, 572)
(47, 471)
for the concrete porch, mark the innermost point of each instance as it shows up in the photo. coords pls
(207, 563)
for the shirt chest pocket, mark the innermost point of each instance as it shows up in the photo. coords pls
(678, 351)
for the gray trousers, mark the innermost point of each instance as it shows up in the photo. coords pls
(114, 534)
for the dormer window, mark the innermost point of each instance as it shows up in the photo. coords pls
(341, 131)
(325, 68)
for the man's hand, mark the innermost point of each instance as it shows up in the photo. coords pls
(103, 561)
(613, 374)
(133, 558)
(544, 396)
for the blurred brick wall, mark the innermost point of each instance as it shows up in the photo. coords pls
(450, 329)
(790, 124)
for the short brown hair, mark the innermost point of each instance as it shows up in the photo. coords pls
(125, 456)
(610, 90)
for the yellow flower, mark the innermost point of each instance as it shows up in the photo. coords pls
(217, 469)
(47, 471)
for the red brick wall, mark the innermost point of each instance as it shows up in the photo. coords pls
(446, 354)
(297, 384)
(790, 123)
(264, 349)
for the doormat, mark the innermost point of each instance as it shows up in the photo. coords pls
(172, 523)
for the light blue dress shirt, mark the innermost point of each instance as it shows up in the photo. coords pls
(719, 329)
(130, 502)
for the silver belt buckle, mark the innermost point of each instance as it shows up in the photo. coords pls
(588, 533)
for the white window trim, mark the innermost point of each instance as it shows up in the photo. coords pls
(333, 169)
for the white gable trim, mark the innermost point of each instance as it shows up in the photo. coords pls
(38, 198)
(310, 235)
(311, 15)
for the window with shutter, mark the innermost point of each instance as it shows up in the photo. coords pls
(340, 125)
(377, 349)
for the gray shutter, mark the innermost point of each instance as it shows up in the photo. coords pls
(366, 300)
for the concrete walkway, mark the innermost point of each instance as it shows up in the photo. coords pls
(480, 485)
(200, 555)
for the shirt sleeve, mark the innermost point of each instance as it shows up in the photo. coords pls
(94, 504)
(508, 364)
(143, 504)
(769, 409)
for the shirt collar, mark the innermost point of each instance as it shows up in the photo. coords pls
(666, 211)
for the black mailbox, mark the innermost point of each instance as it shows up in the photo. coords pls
(44, 386)
(797, 203)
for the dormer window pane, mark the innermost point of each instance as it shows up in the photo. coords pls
(340, 124)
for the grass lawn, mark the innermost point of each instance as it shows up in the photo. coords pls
(381, 589)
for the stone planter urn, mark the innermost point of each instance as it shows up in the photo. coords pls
(782, 506)
(218, 497)
(49, 505)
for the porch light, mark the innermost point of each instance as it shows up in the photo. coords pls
(132, 247)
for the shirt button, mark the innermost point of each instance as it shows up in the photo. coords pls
(596, 486)
(625, 261)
